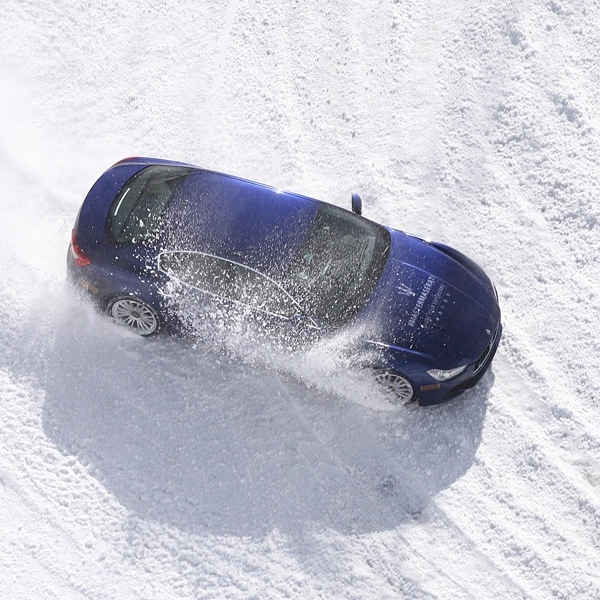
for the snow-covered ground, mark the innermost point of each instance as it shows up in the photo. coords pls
(157, 469)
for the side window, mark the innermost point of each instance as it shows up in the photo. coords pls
(202, 271)
(228, 280)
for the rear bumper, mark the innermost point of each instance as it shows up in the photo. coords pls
(85, 279)
(101, 284)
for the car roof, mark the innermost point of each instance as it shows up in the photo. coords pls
(240, 220)
(215, 213)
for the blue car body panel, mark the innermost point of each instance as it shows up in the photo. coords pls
(439, 309)
(431, 308)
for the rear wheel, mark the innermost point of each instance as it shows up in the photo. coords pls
(135, 314)
(399, 388)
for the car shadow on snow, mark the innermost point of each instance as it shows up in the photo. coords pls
(197, 440)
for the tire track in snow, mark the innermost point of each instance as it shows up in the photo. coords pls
(539, 547)
(560, 427)
(332, 473)
(370, 509)
(48, 490)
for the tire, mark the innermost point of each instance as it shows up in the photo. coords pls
(135, 314)
(399, 388)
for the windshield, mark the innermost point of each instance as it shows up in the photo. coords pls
(135, 212)
(338, 265)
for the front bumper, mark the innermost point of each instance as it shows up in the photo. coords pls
(430, 394)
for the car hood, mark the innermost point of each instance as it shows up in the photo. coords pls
(429, 304)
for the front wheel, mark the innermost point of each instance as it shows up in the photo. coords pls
(135, 314)
(400, 389)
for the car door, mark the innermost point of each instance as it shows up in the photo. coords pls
(230, 290)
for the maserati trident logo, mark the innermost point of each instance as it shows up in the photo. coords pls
(404, 290)
(488, 331)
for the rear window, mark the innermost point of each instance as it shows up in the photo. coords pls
(136, 211)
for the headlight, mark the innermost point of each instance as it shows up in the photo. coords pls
(440, 375)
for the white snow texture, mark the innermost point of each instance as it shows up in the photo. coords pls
(164, 469)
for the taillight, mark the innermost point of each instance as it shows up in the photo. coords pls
(79, 256)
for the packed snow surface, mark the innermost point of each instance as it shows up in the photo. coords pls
(155, 469)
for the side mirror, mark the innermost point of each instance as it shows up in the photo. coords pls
(356, 204)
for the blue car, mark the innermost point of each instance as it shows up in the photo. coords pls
(151, 232)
